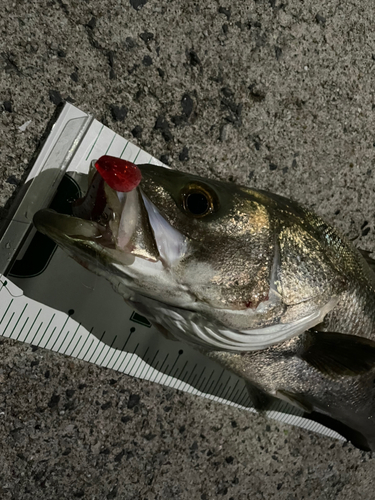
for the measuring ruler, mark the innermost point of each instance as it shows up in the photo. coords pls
(50, 301)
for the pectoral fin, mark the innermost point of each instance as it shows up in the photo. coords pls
(260, 400)
(336, 354)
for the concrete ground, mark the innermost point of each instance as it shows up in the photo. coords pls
(269, 93)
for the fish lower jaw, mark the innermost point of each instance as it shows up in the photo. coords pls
(206, 333)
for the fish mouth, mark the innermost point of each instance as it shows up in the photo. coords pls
(114, 225)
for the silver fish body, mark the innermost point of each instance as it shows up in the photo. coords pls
(241, 275)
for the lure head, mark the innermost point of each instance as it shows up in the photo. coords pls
(244, 264)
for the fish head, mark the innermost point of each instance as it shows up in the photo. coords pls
(240, 264)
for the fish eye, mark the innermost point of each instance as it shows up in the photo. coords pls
(197, 201)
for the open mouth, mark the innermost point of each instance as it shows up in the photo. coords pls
(115, 222)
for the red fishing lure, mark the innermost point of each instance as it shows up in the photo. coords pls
(120, 175)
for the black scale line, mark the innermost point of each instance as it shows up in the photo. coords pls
(244, 397)
(178, 356)
(109, 348)
(131, 357)
(36, 333)
(104, 346)
(8, 323)
(191, 374)
(150, 367)
(127, 340)
(219, 391)
(114, 352)
(181, 373)
(141, 359)
(146, 364)
(234, 398)
(62, 343)
(98, 344)
(45, 331)
(209, 391)
(165, 359)
(119, 354)
(31, 327)
(135, 358)
(27, 319)
(218, 380)
(198, 383)
(209, 378)
(71, 340)
(230, 396)
(58, 336)
(20, 316)
(227, 388)
(83, 345)
(10, 303)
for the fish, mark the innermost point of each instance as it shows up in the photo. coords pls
(251, 279)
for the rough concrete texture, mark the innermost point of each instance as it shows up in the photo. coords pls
(276, 95)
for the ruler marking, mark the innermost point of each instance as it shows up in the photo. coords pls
(83, 345)
(228, 387)
(104, 346)
(135, 159)
(99, 342)
(113, 341)
(234, 388)
(10, 319)
(127, 340)
(218, 380)
(101, 363)
(152, 362)
(135, 356)
(121, 352)
(96, 140)
(58, 349)
(165, 359)
(110, 347)
(10, 303)
(39, 343)
(198, 379)
(75, 347)
(50, 321)
(131, 357)
(71, 340)
(235, 396)
(240, 398)
(140, 364)
(208, 380)
(31, 327)
(178, 356)
(92, 341)
(123, 151)
(58, 336)
(19, 317)
(145, 363)
(110, 359)
(110, 144)
(36, 333)
(209, 389)
(182, 369)
(217, 396)
(191, 374)
(123, 361)
(27, 319)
